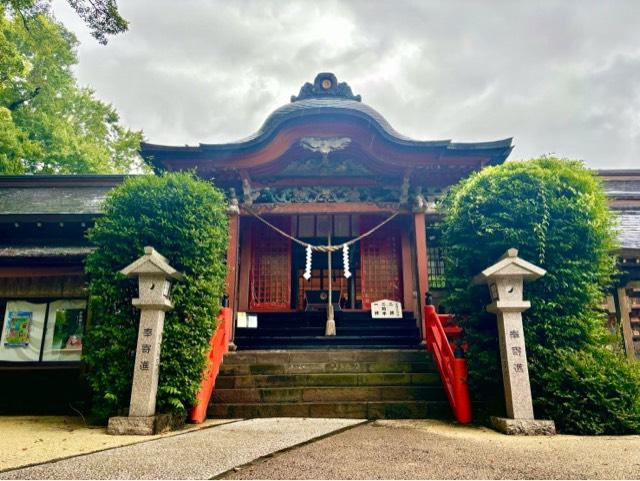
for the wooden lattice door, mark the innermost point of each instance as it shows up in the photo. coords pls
(270, 281)
(380, 260)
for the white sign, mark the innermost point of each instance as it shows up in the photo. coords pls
(241, 320)
(385, 309)
(252, 321)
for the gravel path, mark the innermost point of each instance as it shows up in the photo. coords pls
(416, 449)
(199, 454)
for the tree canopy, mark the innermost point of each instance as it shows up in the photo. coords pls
(555, 213)
(101, 16)
(48, 124)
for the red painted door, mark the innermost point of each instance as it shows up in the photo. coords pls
(270, 281)
(381, 262)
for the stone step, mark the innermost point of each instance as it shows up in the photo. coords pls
(236, 369)
(328, 394)
(354, 410)
(330, 379)
(326, 356)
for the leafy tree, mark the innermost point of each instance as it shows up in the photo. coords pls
(47, 123)
(101, 16)
(185, 220)
(555, 213)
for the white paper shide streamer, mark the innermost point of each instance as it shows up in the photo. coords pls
(345, 261)
(307, 270)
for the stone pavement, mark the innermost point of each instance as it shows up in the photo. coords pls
(28, 440)
(279, 448)
(200, 454)
(427, 449)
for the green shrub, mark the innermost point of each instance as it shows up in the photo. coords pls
(184, 219)
(594, 391)
(555, 213)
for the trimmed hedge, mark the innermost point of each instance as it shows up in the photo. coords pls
(185, 220)
(555, 213)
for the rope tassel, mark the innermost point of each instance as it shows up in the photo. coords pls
(307, 269)
(345, 260)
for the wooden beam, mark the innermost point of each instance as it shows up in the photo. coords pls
(244, 232)
(627, 333)
(40, 271)
(325, 208)
(421, 258)
(407, 270)
(232, 259)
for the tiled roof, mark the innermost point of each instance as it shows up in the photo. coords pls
(629, 229)
(55, 194)
(622, 186)
(52, 200)
(333, 105)
(37, 252)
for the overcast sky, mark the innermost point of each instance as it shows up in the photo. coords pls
(560, 77)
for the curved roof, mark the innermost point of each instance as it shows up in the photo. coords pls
(330, 103)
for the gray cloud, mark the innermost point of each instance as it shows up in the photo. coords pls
(559, 76)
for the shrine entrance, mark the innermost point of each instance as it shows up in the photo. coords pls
(287, 301)
(277, 265)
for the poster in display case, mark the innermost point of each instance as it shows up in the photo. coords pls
(22, 331)
(65, 330)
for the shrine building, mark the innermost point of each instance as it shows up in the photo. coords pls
(326, 169)
(333, 263)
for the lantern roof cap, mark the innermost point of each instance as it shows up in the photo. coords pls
(510, 265)
(152, 262)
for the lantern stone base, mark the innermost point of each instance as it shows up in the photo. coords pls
(143, 425)
(523, 427)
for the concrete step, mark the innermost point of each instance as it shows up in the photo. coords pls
(236, 369)
(354, 410)
(328, 394)
(280, 356)
(329, 379)
(358, 383)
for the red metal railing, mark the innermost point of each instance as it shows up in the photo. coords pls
(453, 371)
(219, 346)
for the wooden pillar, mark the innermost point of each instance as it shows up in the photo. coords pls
(232, 263)
(627, 334)
(245, 265)
(407, 271)
(421, 258)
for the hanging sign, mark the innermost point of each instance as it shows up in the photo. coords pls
(386, 309)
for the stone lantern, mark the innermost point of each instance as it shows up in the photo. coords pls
(154, 285)
(505, 280)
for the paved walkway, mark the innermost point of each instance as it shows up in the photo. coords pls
(27, 440)
(423, 449)
(349, 449)
(200, 454)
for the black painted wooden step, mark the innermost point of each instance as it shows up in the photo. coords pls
(393, 331)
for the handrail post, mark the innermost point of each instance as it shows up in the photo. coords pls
(452, 369)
